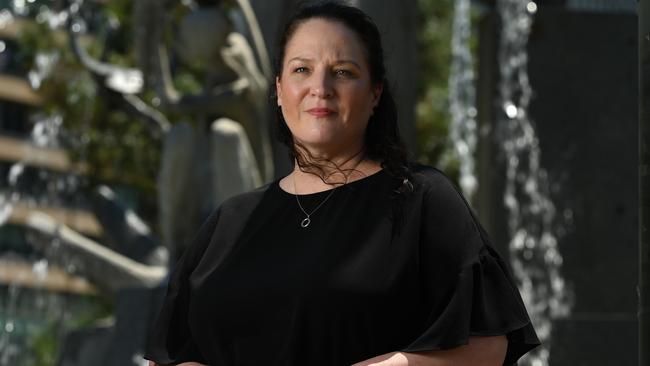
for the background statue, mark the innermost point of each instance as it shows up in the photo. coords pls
(202, 163)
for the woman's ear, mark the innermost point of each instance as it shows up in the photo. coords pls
(376, 94)
(278, 91)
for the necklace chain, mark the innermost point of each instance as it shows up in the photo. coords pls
(307, 220)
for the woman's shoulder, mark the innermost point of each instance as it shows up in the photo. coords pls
(242, 201)
(438, 190)
(228, 219)
(430, 179)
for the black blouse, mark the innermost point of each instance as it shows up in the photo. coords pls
(374, 272)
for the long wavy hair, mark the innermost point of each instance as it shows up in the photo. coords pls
(382, 138)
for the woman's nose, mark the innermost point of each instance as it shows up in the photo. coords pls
(321, 86)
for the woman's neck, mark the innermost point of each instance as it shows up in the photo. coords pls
(311, 178)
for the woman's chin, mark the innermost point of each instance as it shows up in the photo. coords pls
(319, 138)
(321, 145)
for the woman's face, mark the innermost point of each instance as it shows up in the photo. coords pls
(325, 89)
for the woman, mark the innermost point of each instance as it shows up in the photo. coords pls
(357, 256)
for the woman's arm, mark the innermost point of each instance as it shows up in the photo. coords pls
(481, 351)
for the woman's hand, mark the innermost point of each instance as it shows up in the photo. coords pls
(481, 351)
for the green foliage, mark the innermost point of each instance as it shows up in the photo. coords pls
(115, 145)
(84, 310)
(41, 318)
(45, 345)
(432, 109)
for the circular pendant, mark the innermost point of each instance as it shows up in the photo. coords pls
(305, 222)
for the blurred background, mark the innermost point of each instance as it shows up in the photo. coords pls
(123, 123)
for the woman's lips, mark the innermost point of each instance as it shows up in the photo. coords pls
(320, 112)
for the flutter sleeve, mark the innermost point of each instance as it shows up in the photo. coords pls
(468, 289)
(170, 342)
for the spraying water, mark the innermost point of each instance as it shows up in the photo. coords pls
(534, 254)
(30, 313)
(462, 98)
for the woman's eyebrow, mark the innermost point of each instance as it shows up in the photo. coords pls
(302, 59)
(347, 62)
(337, 62)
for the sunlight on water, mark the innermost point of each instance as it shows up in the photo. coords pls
(462, 95)
(534, 253)
(44, 65)
(5, 209)
(46, 131)
(29, 190)
(535, 256)
(5, 18)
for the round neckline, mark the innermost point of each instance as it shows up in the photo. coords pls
(353, 183)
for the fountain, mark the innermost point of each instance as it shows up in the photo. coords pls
(37, 304)
(546, 111)
(532, 250)
(462, 98)
(534, 254)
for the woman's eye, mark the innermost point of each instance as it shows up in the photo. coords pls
(345, 73)
(300, 69)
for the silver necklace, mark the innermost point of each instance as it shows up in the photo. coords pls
(307, 220)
